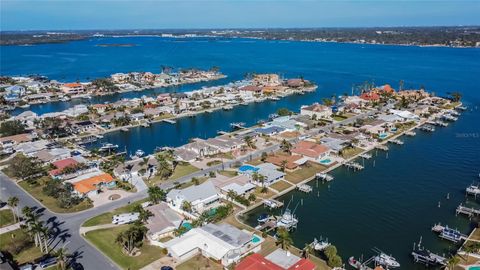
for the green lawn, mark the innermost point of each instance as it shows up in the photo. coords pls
(228, 173)
(339, 118)
(6, 217)
(106, 218)
(105, 241)
(51, 202)
(305, 172)
(12, 242)
(214, 162)
(350, 152)
(280, 186)
(180, 170)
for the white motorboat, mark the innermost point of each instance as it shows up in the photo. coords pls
(386, 260)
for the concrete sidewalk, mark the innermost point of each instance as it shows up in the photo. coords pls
(10, 228)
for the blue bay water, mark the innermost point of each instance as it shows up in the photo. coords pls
(388, 206)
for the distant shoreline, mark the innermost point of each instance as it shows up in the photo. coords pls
(116, 45)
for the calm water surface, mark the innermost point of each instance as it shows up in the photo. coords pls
(389, 205)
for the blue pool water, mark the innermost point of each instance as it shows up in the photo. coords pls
(326, 161)
(474, 268)
(383, 135)
(255, 239)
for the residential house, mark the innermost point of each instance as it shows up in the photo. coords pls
(201, 197)
(163, 222)
(220, 242)
(11, 141)
(271, 173)
(72, 88)
(320, 111)
(92, 186)
(311, 150)
(266, 80)
(277, 261)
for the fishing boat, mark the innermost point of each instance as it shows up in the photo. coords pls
(25, 106)
(270, 204)
(139, 153)
(124, 129)
(450, 234)
(410, 133)
(461, 108)
(386, 260)
(65, 98)
(272, 116)
(287, 220)
(357, 264)
(320, 245)
(263, 218)
(426, 257)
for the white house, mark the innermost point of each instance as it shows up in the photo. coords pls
(220, 242)
(163, 222)
(320, 111)
(201, 197)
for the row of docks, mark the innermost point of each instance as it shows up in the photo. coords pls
(468, 211)
(305, 188)
(382, 147)
(410, 133)
(324, 176)
(396, 141)
(427, 128)
(353, 165)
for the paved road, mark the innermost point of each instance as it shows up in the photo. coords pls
(67, 226)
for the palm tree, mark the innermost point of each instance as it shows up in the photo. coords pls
(62, 257)
(249, 142)
(452, 262)
(13, 203)
(261, 179)
(283, 165)
(283, 238)
(307, 250)
(131, 238)
(143, 214)
(156, 194)
(285, 146)
(36, 230)
(231, 194)
(28, 216)
(186, 206)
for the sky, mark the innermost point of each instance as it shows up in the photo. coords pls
(167, 14)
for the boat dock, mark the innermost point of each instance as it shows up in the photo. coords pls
(271, 203)
(382, 147)
(353, 165)
(470, 212)
(366, 156)
(324, 176)
(473, 190)
(305, 188)
(170, 121)
(238, 125)
(396, 141)
(427, 128)
(410, 133)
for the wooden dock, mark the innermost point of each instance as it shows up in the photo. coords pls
(305, 188)
(470, 212)
(170, 121)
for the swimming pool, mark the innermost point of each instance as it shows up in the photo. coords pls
(383, 135)
(475, 267)
(187, 225)
(326, 161)
(256, 239)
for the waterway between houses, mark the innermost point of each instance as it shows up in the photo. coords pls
(388, 206)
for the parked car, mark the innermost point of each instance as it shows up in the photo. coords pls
(47, 262)
(27, 266)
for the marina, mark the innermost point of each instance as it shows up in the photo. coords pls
(353, 165)
(324, 177)
(398, 188)
(305, 188)
(426, 257)
(468, 211)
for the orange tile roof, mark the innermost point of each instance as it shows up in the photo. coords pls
(256, 262)
(309, 149)
(277, 160)
(72, 85)
(91, 184)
